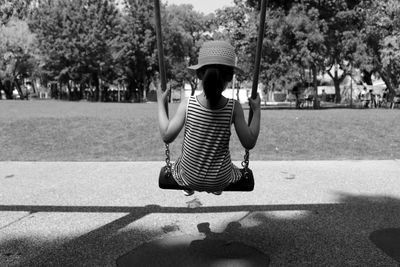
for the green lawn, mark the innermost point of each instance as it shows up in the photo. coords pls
(81, 131)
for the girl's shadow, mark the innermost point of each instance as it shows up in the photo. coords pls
(213, 250)
(216, 248)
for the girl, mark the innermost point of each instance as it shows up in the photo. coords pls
(205, 163)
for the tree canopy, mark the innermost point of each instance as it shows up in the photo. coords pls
(88, 44)
(75, 39)
(381, 37)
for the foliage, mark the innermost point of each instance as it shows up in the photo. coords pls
(183, 36)
(74, 39)
(238, 25)
(297, 44)
(342, 22)
(88, 43)
(309, 33)
(17, 60)
(381, 34)
(136, 45)
(274, 4)
(17, 9)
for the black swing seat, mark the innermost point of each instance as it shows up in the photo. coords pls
(246, 183)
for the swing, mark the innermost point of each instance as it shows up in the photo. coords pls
(246, 183)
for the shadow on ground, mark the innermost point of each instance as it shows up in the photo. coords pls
(357, 231)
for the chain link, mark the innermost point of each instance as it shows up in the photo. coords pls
(245, 163)
(168, 164)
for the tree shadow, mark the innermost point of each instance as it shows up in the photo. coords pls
(331, 234)
(388, 240)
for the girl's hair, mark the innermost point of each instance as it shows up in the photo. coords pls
(214, 78)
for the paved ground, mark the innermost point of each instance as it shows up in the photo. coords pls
(301, 213)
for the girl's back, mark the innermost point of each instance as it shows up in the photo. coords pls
(205, 163)
(205, 158)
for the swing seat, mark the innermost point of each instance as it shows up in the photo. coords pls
(246, 183)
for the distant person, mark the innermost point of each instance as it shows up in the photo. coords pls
(323, 96)
(15, 94)
(296, 92)
(372, 98)
(366, 97)
(378, 100)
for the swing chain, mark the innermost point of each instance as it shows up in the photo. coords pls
(245, 163)
(167, 159)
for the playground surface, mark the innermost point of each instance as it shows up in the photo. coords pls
(301, 213)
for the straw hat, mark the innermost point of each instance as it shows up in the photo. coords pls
(216, 52)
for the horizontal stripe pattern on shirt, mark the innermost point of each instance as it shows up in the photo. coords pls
(205, 163)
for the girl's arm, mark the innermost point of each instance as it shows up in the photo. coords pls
(170, 129)
(248, 134)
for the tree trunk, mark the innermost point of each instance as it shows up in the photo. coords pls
(336, 82)
(99, 89)
(33, 84)
(69, 90)
(6, 86)
(315, 84)
(146, 84)
(390, 85)
(19, 89)
(2, 89)
(81, 91)
(119, 94)
(338, 97)
(59, 90)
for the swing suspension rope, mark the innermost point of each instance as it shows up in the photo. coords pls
(161, 62)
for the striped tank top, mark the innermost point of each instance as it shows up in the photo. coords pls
(205, 163)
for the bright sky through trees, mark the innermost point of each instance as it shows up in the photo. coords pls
(205, 6)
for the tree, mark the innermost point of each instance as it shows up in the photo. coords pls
(342, 23)
(75, 38)
(184, 34)
(293, 43)
(238, 24)
(334, 26)
(285, 5)
(17, 9)
(306, 43)
(17, 60)
(135, 46)
(381, 34)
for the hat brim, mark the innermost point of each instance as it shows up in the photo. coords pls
(194, 68)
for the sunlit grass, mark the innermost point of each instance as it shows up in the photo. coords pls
(70, 131)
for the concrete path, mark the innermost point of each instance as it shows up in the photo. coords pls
(301, 213)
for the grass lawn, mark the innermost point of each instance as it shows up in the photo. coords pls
(82, 131)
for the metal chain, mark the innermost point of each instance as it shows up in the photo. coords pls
(168, 164)
(245, 163)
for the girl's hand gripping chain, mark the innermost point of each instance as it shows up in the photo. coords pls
(255, 104)
(169, 128)
(162, 97)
